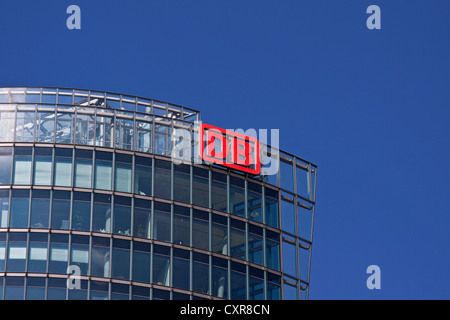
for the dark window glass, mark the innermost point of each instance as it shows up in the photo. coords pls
(140, 293)
(272, 250)
(101, 220)
(219, 191)
(181, 183)
(200, 230)
(143, 176)
(237, 196)
(120, 259)
(56, 289)
(142, 218)
(255, 244)
(161, 265)
(181, 225)
(99, 290)
(120, 291)
(237, 241)
(40, 207)
(161, 222)
(162, 179)
(122, 215)
(61, 210)
(219, 234)
(200, 188)
(20, 204)
(271, 207)
(254, 201)
(141, 262)
(256, 284)
(238, 281)
(100, 257)
(81, 212)
(181, 269)
(35, 288)
(200, 273)
(220, 277)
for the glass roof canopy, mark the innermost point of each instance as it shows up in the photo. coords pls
(97, 99)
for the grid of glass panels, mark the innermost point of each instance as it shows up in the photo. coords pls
(257, 211)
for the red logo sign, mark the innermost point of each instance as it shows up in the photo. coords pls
(230, 149)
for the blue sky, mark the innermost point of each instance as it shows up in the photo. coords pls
(369, 107)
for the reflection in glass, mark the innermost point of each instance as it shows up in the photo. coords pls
(45, 127)
(161, 265)
(7, 126)
(181, 225)
(144, 136)
(103, 170)
(141, 262)
(104, 130)
(43, 166)
(220, 277)
(63, 167)
(143, 176)
(22, 165)
(162, 179)
(161, 222)
(20, 204)
(122, 216)
(83, 168)
(200, 229)
(65, 123)
(81, 211)
(142, 218)
(4, 208)
(100, 257)
(61, 210)
(59, 253)
(25, 125)
(238, 281)
(271, 207)
(40, 207)
(254, 201)
(79, 255)
(123, 172)
(5, 165)
(85, 129)
(101, 217)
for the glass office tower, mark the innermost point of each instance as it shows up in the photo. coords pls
(88, 187)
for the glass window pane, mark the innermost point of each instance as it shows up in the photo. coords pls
(144, 136)
(100, 257)
(255, 244)
(43, 166)
(25, 126)
(143, 176)
(219, 234)
(200, 230)
(122, 216)
(162, 139)
(103, 170)
(35, 288)
(303, 183)
(162, 179)
(304, 223)
(141, 262)
(22, 165)
(181, 225)
(219, 191)
(124, 134)
(104, 131)
(286, 176)
(237, 239)
(101, 220)
(56, 289)
(99, 290)
(181, 269)
(120, 259)
(123, 173)
(237, 196)
(220, 277)
(65, 123)
(290, 292)
(304, 259)
(59, 253)
(20, 204)
(85, 129)
(61, 210)
(238, 281)
(200, 188)
(83, 168)
(289, 259)
(81, 211)
(142, 218)
(273, 286)
(7, 126)
(2, 254)
(288, 217)
(45, 127)
(120, 291)
(161, 221)
(79, 255)
(17, 252)
(40, 209)
(254, 201)
(14, 288)
(200, 273)
(5, 165)
(140, 293)
(271, 207)
(182, 183)
(63, 167)
(79, 294)
(273, 250)
(161, 265)
(4, 208)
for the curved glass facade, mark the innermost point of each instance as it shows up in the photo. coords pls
(87, 184)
